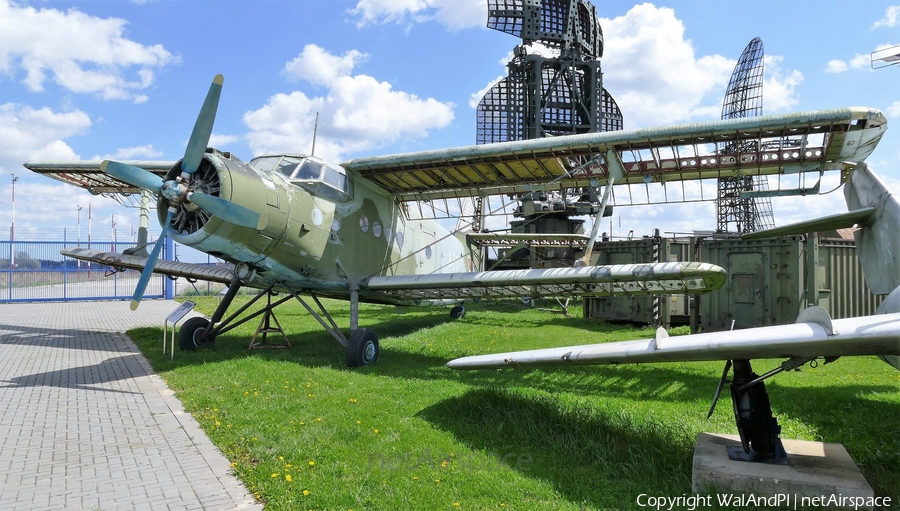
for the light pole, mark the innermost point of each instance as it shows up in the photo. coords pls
(12, 227)
(78, 215)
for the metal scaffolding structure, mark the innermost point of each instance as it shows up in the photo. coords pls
(744, 98)
(548, 96)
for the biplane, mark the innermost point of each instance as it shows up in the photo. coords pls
(299, 226)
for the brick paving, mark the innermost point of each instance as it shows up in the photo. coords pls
(85, 423)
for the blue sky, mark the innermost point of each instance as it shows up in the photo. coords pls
(97, 78)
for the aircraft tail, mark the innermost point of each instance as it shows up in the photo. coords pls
(876, 210)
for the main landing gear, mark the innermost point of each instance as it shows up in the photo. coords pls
(756, 425)
(362, 346)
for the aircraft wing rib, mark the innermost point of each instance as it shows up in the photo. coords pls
(615, 280)
(215, 273)
(832, 140)
(87, 174)
(869, 335)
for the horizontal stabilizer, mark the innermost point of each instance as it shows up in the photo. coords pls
(869, 335)
(614, 280)
(862, 217)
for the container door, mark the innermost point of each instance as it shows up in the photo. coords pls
(746, 289)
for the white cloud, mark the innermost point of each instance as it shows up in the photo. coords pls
(356, 113)
(858, 61)
(836, 66)
(891, 15)
(78, 52)
(779, 85)
(132, 153)
(452, 14)
(317, 66)
(894, 110)
(27, 133)
(656, 77)
(652, 72)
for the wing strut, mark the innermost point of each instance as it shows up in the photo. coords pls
(616, 171)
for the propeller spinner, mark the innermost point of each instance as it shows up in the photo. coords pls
(178, 191)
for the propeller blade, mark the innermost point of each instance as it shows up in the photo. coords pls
(151, 263)
(193, 155)
(132, 175)
(228, 211)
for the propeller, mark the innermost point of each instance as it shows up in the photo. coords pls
(178, 191)
(151, 262)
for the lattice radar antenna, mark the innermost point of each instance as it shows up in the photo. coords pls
(547, 96)
(744, 98)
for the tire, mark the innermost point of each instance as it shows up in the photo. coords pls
(362, 350)
(189, 336)
(753, 414)
(458, 312)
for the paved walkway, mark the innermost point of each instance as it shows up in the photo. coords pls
(85, 423)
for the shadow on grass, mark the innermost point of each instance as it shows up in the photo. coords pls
(588, 451)
(593, 456)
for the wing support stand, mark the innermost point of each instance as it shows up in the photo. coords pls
(756, 425)
(265, 327)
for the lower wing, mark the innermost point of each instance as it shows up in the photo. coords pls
(814, 335)
(212, 273)
(614, 280)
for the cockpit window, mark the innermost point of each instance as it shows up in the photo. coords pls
(310, 169)
(288, 165)
(314, 175)
(266, 162)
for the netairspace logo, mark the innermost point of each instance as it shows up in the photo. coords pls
(697, 501)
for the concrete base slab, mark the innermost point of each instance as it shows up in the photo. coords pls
(816, 469)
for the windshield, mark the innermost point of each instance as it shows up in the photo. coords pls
(314, 175)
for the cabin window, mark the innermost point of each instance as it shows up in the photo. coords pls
(310, 173)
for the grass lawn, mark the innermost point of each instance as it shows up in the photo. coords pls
(305, 432)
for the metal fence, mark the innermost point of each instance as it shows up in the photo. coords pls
(32, 268)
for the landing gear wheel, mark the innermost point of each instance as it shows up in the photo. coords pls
(753, 413)
(458, 312)
(190, 336)
(362, 350)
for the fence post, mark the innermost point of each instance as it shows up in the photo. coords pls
(170, 250)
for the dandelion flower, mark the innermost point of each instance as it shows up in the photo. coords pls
(376, 431)
(287, 477)
(305, 493)
(275, 474)
(312, 463)
(456, 504)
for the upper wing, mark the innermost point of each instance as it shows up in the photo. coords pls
(625, 279)
(87, 174)
(799, 142)
(814, 335)
(214, 273)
